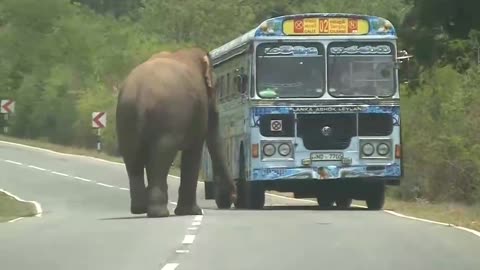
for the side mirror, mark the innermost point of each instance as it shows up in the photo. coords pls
(403, 63)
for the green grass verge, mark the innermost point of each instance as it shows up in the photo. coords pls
(452, 213)
(61, 148)
(460, 215)
(11, 208)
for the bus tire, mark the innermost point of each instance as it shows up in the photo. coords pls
(222, 199)
(255, 196)
(325, 202)
(376, 198)
(241, 183)
(209, 190)
(343, 203)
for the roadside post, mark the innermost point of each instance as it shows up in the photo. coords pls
(99, 121)
(7, 107)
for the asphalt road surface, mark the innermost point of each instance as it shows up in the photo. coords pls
(86, 224)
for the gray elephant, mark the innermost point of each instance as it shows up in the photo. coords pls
(165, 105)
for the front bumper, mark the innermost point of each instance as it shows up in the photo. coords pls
(327, 172)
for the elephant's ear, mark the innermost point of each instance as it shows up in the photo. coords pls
(208, 72)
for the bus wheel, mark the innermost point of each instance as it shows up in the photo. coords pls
(222, 199)
(241, 184)
(376, 198)
(255, 195)
(324, 202)
(343, 203)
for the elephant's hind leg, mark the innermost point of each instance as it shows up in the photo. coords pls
(138, 193)
(187, 198)
(160, 158)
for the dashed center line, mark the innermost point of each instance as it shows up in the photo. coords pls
(192, 228)
(182, 251)
(13, 162)
(83, 179)
(122, 188)
(198, 218)
(196, 223)
(59, 173)
(189, 238)
(105, 185)
(170, 266)
(36, 168)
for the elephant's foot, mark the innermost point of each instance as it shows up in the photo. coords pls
(158, 211)
(188, 210)
(138, 207)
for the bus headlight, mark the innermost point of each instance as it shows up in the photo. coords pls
(383, 149)
(284, 149)
(269, 150)
(368, 149)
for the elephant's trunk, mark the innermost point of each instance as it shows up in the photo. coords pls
(222, 176)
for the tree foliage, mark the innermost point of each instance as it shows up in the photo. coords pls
(62, 59)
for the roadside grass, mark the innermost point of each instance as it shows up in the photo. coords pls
(61, 148)
(11, 208)
(452, 213)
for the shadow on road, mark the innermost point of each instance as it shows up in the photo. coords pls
(137, 217)
(292, 208)
(310, 207)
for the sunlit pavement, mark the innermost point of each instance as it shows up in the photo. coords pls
(86, 224)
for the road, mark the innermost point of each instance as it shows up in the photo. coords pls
(86, 224)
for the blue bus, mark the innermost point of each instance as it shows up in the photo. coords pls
(310, 105)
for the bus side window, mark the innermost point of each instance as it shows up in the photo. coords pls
(228, 85)
(220, 88)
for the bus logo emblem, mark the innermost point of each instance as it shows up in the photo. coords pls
(276, 125)
(327, 131)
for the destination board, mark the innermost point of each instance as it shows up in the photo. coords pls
(325, 26)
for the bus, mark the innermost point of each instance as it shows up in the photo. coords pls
(309, 104)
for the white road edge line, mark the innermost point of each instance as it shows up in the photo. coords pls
(13, 162)
(189, 238)
(83, 179)
(170, 266)
(36, 168)
(434, 222)
(38, 207)
(14, 220)
(122, 188)
(176, 177)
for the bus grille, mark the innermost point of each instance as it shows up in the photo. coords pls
(342, 127)
(375, 124)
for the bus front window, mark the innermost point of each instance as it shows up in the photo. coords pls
(290, 71)
(358, 69)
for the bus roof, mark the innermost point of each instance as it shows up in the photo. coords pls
(312, 25)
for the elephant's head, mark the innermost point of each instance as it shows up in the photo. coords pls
(202, 60)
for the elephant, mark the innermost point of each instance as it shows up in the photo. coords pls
(165, 105)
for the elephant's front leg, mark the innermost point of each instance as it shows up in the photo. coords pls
(159, 160)
(187, 193)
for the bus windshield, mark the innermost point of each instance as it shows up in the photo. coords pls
(290, 70)
(361, 69)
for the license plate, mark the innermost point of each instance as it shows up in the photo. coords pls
(326, 156)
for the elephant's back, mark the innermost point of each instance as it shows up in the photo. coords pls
(166, 94)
